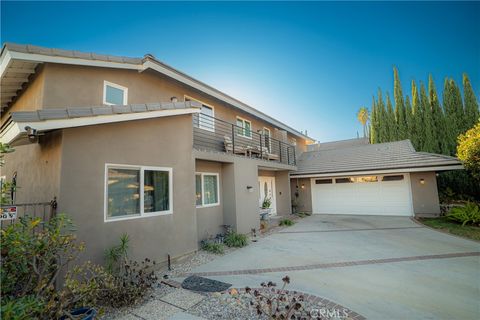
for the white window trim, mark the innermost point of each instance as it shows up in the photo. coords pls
(185, 97)
(114, 85)
(251, 128)
(269, 137)
(202, 174)
(141, 214)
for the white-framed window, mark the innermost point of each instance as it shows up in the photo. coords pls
(114, 94)
(137, 191)
(207, 188)
(205, 120)
(267, 138)
(244, 127)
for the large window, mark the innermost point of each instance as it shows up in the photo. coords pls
(136, 191)
(205, 120)
(244, 128)
(207, 189)
(114, 94)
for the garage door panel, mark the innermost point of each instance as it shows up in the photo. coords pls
(373, 198)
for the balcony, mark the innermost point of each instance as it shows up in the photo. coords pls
(212, 134)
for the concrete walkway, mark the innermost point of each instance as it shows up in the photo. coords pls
(380, 267)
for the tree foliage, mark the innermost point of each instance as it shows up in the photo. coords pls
(430, 124)
(468, 150)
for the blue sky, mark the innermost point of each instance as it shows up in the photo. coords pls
(311, 65)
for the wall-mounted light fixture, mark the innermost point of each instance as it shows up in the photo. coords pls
(174, 99)
(303, 186)
(249, 188)
(422, 181)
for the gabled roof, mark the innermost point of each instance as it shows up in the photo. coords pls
(19, 124)
(398, 156)
(18, 62)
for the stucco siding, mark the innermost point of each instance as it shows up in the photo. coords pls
(83, 86)
(162, 142)
(38, 169)
(31, 98)
(424, 196)
(210, 218)
(283, 195)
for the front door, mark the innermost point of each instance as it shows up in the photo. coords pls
(267, 191)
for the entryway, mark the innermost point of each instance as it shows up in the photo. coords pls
(266, 185)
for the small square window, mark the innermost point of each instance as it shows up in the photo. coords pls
(207, 189)
(114, 94)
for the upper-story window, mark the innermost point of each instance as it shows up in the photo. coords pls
(244, 128)
(205, 119)
(114, 94)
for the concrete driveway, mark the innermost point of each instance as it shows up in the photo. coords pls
(380, 267)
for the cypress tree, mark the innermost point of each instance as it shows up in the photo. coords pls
(392, 132)
(441, 145)
(400, 115)
(454, 115)
(381, 119)
(472, 113)
(373, 123)
(409, 119)
(418, 125)
(430, 138)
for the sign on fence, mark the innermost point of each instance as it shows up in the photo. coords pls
(8, 213)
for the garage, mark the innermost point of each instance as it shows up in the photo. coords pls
(388, 194)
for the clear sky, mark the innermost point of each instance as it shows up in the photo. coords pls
(311, 65)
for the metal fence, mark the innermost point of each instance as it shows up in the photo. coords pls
(42, 210)
(210, 133)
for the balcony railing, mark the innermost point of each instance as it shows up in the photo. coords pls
(210, 133)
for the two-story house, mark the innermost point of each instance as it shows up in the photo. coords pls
(132, 145)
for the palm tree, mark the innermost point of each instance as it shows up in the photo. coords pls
(362, 116)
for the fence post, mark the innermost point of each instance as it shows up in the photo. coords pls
(280, 150)
(261, 148)
(53, 207)
(233, 139)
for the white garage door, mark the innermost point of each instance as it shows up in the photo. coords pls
(369, 195)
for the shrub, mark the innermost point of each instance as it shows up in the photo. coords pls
(278, 303)
(129, 280)
(469, 214)
(468, 150)
(32, 259)
(286, 222)
(213, 247)
(237, 240)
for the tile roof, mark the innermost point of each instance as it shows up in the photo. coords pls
(27, 48)
(382, 156)
(78, 112)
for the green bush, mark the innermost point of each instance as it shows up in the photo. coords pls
(213, 247)
(469, 214)
(237, 240)
(286, 222)
(32, 259)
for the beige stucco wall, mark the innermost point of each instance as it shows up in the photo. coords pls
(210, 219)
(283, 194)
(304, 199)
(31, 98)
(424, 196)
(163, 142)
(38, 169)
(69, 85)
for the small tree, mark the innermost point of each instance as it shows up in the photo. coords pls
(468, 150)
(362, 116)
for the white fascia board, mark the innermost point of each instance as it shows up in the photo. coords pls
(40, 58)
(15, 129)
(214, 93)
(6, 60)
(358, 173)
